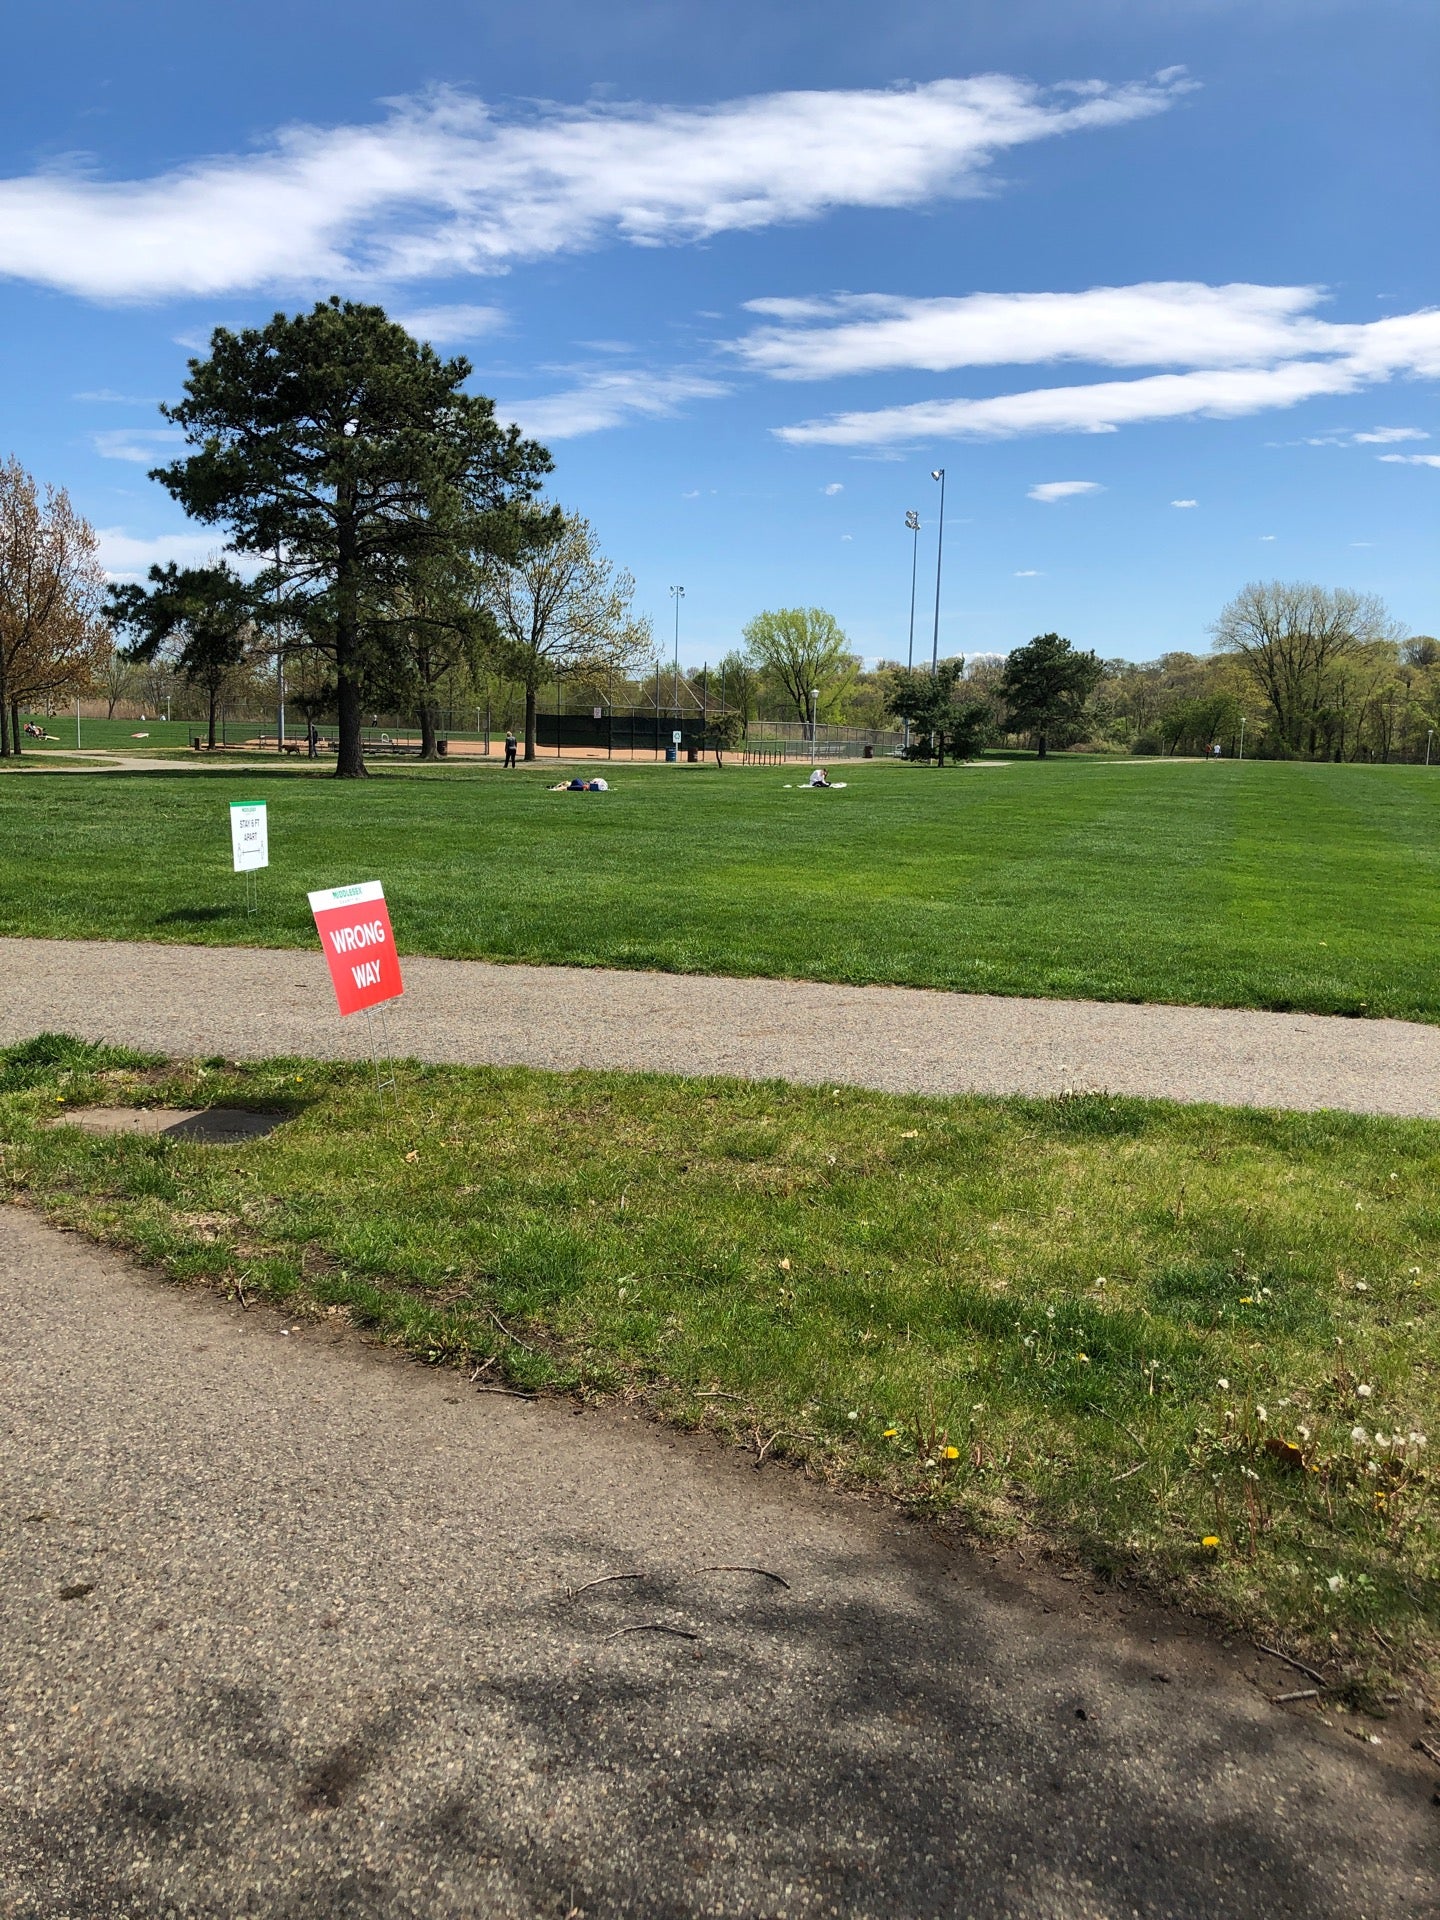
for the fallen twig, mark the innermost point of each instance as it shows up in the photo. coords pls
(604, 1579)
(764, 1573)
(482, 1366)
(509, 1393)
(1431, 1753)
(763, 1447)
(1116, 1478)
(716, 1393)
(653, 1626)
(240, 1291)
(1300, 1693)
(1291, 1661)
(491, 1314)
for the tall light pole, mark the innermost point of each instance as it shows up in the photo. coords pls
(912, 521)
(1429, 736)
(814, 727)
(938, 473)
(677, 594)
(1242, 736)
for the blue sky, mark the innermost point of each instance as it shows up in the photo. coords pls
(1153, 280)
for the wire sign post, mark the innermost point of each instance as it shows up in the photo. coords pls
(359, 948)
(250, 846)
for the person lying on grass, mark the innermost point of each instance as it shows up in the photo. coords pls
(581, 786)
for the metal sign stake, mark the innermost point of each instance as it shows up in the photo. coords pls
(381, 1057)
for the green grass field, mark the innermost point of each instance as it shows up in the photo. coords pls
(1282, 886)
(1189, 1346)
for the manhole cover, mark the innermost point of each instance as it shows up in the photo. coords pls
(213, 1126)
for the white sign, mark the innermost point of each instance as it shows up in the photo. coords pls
(597, 711)
(677, 736)
(249, 835)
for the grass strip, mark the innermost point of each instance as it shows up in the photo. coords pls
(1221, 884)
(1191, 1347)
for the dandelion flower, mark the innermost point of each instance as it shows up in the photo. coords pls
(1224, 1385)
(1083, 1356)
(892, 1433)
(1364, 1390)
(1359, 1436)
(1100, 1282)
(1261, 1415)
(1362, 1286)
(952, 1453)
(1211, 1540)
(1335, 1582)
(852, 1416)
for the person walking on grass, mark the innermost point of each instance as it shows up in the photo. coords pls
(510, 746)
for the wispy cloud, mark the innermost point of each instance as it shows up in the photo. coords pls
(126, 556)
(607, 397)
(1184, 503)
(1028, 573)
(835, 486)
(1410, 459)
(446, 184)
(453, 326)
(1051, 490)
(1245, 349)
(144, 445)
(1388, 436)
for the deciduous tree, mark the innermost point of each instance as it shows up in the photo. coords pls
(801, 649)
(1296, 638)
(52, 635)
(559, 606)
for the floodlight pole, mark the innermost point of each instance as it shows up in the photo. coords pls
(912, 522)
(1429, 736)
(677, 594)
(1242, 736)
(938, 473)
(814, 724)
(77, 724)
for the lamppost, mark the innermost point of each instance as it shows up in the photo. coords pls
(1429, 736)
(814, 728)
(1242, 736)
(912, 521)
(938, 473)
(677, 594)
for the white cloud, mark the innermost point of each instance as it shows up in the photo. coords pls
(1052, 490)
(445, 184)
(1388, 436)
(1154, 324)
(1245, 349)
(1184, 503)
(452, 326)
(1028, 573)
(835, 486)
(606, 398)
(1267, 536)
(1410, 459)
(846, 536)
(146, 446)
(1100, 408)
(124, 556)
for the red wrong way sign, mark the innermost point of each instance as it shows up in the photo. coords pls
(354, 928)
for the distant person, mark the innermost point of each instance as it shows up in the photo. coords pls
(511, 745)
(819, 777)
(598, 785)
(312, 741)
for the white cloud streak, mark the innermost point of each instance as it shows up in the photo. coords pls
(1184, 503)
(453, 326)
(1306, 359)
(606, 398)
(126, 556)
(448, 185)
(1410, 459)
(1050, 491)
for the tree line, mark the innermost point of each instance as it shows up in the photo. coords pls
(385, 542)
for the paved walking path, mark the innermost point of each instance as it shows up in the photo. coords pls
(286, 1632)
(250, 1001)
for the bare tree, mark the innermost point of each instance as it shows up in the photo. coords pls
(560, 605)
(52, 636)
(1296, 640)
(114, 676)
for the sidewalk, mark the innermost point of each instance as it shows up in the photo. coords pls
(289, 1630)
(248, 1002)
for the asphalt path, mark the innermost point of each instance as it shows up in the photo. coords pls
(250, 1002)
(293, 1627)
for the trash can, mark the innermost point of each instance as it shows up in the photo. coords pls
(867, 753)
(671, 753)
(442, 747)
(195, 743)
(692, 754)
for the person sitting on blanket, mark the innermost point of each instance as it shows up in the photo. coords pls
(819, 778)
